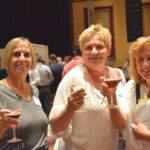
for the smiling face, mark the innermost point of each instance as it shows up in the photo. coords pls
(21, 59)
(95, 52)
(143, 63)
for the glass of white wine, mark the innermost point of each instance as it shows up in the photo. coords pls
(15, 113)
(111, 81)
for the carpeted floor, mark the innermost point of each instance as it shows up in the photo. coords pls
(51, 143)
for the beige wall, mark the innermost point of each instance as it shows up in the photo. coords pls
(119, 19)
(42, 50)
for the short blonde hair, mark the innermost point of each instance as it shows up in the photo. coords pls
(134, 50)
(8, 51)
(96, 30)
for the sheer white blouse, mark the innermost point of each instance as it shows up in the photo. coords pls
(91, 127)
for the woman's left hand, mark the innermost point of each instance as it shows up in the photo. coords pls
(140, 131)
(108, 91)
(104, 89)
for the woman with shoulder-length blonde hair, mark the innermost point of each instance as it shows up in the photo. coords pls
(135, 49)
(18, 58)
(8, 52)
(137, 93)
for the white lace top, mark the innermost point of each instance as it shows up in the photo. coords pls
(91, 127)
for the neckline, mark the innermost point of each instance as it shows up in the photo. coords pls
(88, 78)
(16, 93)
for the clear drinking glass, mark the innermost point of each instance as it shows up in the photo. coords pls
(112, 82)
(15, 113)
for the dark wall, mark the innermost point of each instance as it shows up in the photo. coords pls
(134, 21)
(42, 21)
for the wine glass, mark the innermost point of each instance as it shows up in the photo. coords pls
(15, 113)
(112, 81)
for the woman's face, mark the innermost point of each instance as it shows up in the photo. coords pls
(95, 52)
(143, 63)
(21, 59)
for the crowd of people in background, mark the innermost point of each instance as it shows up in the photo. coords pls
(42, 77)
(70, 99)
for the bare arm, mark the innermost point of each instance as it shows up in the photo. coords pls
(117, 116)
(50, 75)
(140, 131)
(60, 121)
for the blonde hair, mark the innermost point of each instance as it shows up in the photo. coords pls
(98, 29)
(6, 56)
(134, 51)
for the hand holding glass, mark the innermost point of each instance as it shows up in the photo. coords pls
(14, 114)
(112, 82)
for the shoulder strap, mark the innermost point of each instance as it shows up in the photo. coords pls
(137, 92)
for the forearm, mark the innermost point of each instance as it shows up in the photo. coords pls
(140, 131)
(60, 121)
(118, 118)
(144, 136)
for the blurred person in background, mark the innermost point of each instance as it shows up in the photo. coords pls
(125, 67)
(56, 69)
(66, 60)
(42, 77)
(76, 60)
(59, 60)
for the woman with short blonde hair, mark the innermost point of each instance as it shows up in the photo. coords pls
(79, 117)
